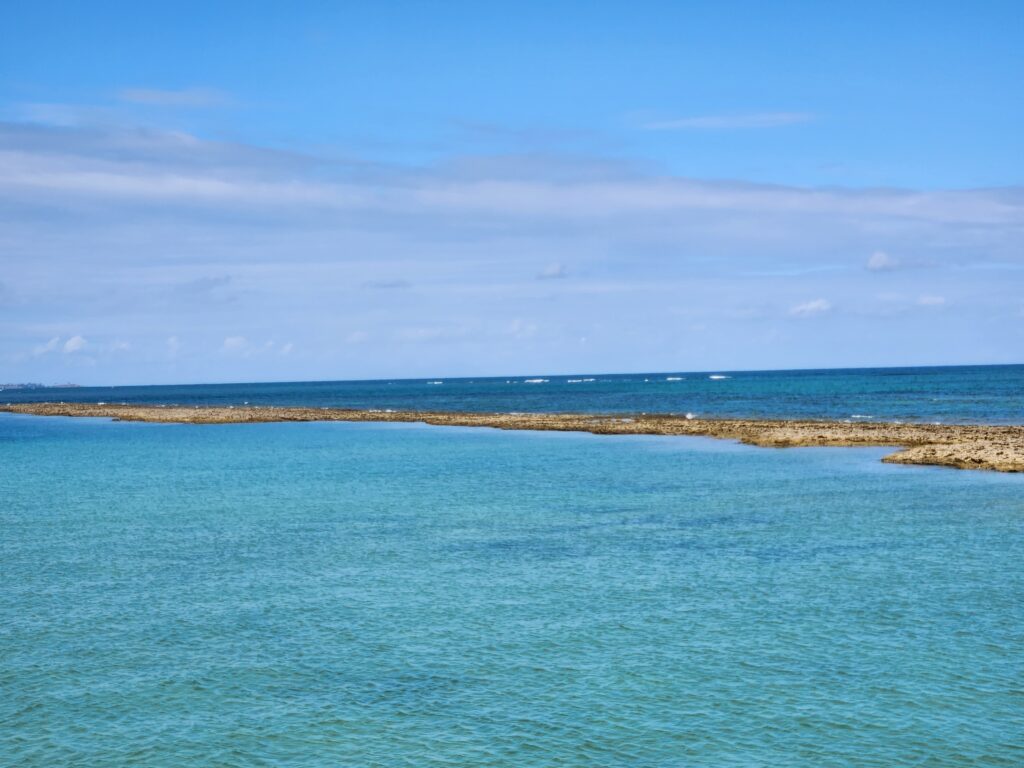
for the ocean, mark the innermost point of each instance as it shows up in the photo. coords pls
(340, 594)
(963, 394)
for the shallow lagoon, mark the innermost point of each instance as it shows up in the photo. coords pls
(345, 594)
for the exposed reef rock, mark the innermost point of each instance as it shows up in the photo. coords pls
(998, 448)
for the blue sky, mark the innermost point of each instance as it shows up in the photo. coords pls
(217, 192)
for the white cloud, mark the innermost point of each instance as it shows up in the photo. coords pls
(880, 261)
(553, 271)
(931, 301)
(287, 348)
(75, 344)
(43, 349)
(183, 97)
(522, 329)
(234, 343)
(725, 122)
(811, 308)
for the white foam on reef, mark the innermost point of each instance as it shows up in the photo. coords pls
(577, 381)
(860, 416)
(435, 382)
(535, 381)
(718, 377)
(672, 378)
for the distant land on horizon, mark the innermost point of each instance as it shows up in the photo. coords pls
(37, 385)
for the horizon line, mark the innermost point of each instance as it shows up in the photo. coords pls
(70, 385)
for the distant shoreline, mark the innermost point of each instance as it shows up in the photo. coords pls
(999, 448)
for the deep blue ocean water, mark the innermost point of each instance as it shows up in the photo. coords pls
(964, 394)
(328, 594)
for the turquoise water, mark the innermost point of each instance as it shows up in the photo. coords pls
(402, 595)
(962, 394)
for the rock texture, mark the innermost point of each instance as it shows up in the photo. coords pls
(998, 448)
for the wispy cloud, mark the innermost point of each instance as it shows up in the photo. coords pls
(193, 174)
(44, 349)
(173, 346)
(387, 285)
(880, 261)
(553, 271)
(729, 122)
(184, 97)
(811, 308)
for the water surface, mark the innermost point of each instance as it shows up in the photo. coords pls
(401, 595)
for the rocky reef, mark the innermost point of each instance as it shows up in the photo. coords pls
(965, 446)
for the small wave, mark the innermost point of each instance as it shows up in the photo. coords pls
(435, 382)
(535, 381)
(860, 416)
(673, 378)
(718, 377)
(691, 416)
(577, 381)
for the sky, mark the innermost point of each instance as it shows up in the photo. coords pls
(204, 192)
